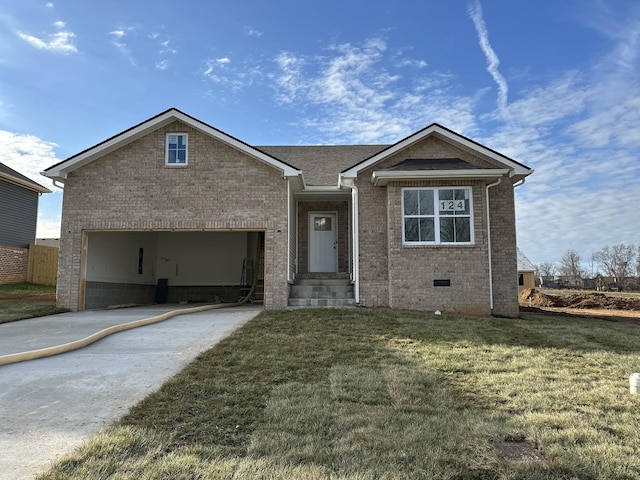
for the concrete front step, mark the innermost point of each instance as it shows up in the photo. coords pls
(322, 282)
(321, 302)
(321, 292)
(337, 295)
(302, 290)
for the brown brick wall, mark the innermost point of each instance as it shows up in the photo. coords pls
(14, 263)
(132, 189)
(342, 209)
(413, 268)
(503, 246)
(402, 276)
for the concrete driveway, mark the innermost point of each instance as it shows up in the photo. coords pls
(51, 405)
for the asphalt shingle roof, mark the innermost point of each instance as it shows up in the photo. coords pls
(413, 164)
(321, 164)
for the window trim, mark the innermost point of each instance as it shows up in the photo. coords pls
(436, 216)
(166, 150)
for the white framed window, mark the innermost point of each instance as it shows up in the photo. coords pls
(177, 149)
(437, 216)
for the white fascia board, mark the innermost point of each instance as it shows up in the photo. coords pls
(316, 189)
(287, 170)
(381, 178)
(477, 149)
(448, 136)
(353, 172)
(21, 183)
(61, 170)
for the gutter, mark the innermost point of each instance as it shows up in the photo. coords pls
(489, 242)
(33, 186)
(382, 177)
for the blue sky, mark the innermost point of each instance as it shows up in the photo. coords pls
(552, 84)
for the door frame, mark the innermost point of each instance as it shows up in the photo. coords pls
(334, 213)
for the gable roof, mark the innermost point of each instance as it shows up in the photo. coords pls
(321, 164)
(524, 264)
(60, 170)
(516, 169)
(11, 176)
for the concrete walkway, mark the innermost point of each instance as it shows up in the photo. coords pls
(51, 405)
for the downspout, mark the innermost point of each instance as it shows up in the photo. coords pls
(489, 242)
(354, 239)
(289, 226)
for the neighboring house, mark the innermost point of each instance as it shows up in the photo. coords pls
(526, 272)
(426, 223)
(18, 216)
(48, 242)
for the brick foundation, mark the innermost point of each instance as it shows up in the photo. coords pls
(14, 263)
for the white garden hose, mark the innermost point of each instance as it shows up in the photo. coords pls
(83, 342)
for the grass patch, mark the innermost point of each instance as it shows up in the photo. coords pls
(368, 394)
(27, 300)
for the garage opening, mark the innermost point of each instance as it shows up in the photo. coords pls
(142, 268)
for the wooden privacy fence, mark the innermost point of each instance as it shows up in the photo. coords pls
(43, 265)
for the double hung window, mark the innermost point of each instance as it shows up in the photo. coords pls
(437, 216)
(177, 149)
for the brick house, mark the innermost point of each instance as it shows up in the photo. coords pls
(19, 197)
(426, 223)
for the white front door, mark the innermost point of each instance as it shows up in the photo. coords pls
(323, 242)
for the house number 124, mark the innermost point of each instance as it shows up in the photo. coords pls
(452, 205)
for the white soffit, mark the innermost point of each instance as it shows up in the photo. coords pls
(381, 178)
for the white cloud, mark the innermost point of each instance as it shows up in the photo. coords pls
(50, 4)
(47, 228)
(581, 132)
(118, 33)
(132, 40)
(361, 100)
(289, 79)
(59, 24)
(60, 42)
(236, 77)
(252, 32)
(475, 12)
(27, 154)
(118, 41)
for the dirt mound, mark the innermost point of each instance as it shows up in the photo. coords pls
(534, 298)
(530, 297)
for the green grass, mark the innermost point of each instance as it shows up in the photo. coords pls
(19, 301)
(370, 394)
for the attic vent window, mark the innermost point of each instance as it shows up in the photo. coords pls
(177, 149)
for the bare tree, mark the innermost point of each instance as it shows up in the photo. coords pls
(546, 269)
(617, 261)
(570, 267)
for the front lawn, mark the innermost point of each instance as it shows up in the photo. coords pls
(27, 300)
(369, 394)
